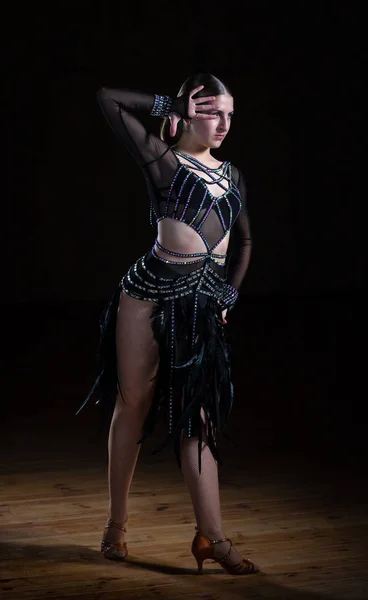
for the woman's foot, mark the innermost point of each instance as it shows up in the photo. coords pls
(113, 545)
(221, 550)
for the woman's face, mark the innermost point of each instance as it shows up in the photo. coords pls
(211, 132)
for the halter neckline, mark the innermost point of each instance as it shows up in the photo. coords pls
(196, 160)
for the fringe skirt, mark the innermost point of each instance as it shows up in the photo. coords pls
(194, 371)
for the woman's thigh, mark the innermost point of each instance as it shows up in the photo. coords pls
(137, 351)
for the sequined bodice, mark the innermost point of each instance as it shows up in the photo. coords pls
(191, 201)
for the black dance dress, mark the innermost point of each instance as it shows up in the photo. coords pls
(167, 338)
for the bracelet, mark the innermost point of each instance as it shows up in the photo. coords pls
(228, 297)
(161, 106)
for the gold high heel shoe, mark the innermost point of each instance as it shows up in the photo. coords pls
(202, 549)
(119, 550)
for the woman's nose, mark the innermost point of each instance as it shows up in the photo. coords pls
(223, 125)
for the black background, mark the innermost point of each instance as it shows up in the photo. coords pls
(75, 209)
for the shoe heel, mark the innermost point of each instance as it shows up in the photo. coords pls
(201, 550)
(200, 565)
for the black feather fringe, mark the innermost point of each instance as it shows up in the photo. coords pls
(199, 377)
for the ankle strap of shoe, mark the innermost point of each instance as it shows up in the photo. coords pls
(219, 541)
(111, 523)
(212, 541)
(221, 560)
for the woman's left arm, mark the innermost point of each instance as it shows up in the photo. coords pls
(242, 239)
(239, 255)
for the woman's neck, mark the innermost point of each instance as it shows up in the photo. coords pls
(201, 153)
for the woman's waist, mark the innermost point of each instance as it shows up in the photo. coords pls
(167, 263)
(177, 241)
(172, 257)
(152, 278)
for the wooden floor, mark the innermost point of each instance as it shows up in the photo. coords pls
(297, 510)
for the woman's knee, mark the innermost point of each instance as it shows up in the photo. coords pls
(135, 404)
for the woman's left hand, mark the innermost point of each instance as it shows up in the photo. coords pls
(194, 109)
(224, 316)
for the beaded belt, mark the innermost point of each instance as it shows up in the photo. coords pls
(201, 256)
(141, 283)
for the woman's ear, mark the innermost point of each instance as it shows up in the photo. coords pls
(186, 123)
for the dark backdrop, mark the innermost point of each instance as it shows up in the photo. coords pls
(75, 211)
(78, 207)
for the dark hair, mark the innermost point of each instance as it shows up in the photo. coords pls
(212, 87)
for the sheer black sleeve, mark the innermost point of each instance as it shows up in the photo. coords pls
(121, 108)
(241, 242)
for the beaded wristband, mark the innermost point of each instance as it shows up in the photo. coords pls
(161, 106)
(229, 297)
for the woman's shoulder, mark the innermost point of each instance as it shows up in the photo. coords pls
(235, 172)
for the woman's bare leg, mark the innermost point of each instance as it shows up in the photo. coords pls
(205, 495)
(137, 356)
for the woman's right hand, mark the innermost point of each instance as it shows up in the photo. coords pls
(193, 108)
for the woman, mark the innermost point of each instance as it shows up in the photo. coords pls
(163, 345)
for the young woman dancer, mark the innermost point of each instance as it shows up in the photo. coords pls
(163, 343)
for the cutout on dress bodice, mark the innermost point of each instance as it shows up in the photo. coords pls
(217, 180)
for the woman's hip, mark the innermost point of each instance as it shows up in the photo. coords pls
(151, 280)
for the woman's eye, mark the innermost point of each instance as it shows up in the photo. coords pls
(217, 114)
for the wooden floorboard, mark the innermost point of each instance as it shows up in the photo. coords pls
(304, 523)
